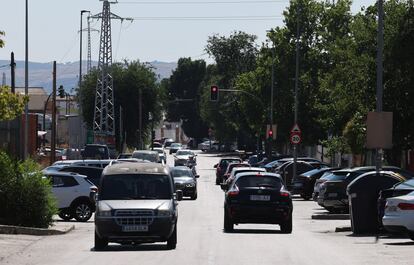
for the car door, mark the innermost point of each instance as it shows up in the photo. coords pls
(65, 189)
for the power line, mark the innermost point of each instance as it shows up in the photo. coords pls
(201, 2)
(225, 18)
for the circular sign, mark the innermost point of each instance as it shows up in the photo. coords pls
(295, 138)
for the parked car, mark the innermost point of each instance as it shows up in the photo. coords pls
(209, 146)
(75, 195)
(86, 162)
(156, 145)
(286, 171)
(273, 165)
(185, 180)
(136, 204)
(332, 194)
(239, 170)
(399, 215)
(305, 182)
(230, 167)
(95, 151)
(151, 156)
(257, 198)
(399, 189)
(336, 174)
(168, 142)
(174, 147)
(184, 157)
(124, 155)
(221, 167)
(93, 174)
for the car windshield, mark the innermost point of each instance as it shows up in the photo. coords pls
(135, 187)
(184, 152)
(311, 172)
(406, 185)
(175, 145)
(334, 176)
(145, 156)
(224, 163)
(181, 173)
(259, 181)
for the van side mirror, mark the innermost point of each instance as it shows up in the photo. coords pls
(216, 165)
(179, 194)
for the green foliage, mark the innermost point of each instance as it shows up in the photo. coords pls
(355, 133)
(185, 83)
(26, 198)
(129, 78)
(1, 40)
(11, 105)
(336, 144)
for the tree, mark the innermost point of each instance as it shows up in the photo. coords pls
(129, 78)
(1, 40)
(11, 105)
(183, 90)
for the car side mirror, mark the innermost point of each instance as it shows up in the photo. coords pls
(197, 176)
(215, 166)
(179, 194)
(223, 186)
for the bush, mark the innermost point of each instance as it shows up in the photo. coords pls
(26, 197)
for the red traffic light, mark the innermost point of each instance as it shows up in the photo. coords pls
(270, 133)
(214, 93)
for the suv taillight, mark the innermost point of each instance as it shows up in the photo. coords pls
(406, 206)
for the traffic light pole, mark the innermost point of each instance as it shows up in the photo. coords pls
(295, 146)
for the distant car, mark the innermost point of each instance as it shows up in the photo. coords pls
(271, 166)
(305, 182)
(286, 171)
(185, 180)
(399, 215)
(184, 157)
(238, 170)
(174, 147)
(75, 195)
(221, 167)
(156, 144)
(230, 167)
(168, 142)
(86, 162)
(95, 151)
(151, 156)
(258, 198)
(209, 145)
(161, 153)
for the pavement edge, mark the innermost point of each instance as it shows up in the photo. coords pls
(15, 230)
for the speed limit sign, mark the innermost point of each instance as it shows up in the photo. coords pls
(295, 138)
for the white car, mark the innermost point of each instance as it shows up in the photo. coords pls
(399, 214)
(75, 195)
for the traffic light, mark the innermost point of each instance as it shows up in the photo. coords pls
(61, 92)
(269, 134)
(214, 93)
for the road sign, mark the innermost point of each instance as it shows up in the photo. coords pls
(296, 129)
(295, 138)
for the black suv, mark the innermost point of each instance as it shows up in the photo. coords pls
(257, 197)
(136, 204)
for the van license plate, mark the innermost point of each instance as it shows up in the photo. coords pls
(260, 197)
(135, 228)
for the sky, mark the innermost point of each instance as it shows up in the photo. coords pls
(54, 26)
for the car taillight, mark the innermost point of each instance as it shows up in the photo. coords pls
(94, 190)
(284, 194)
(233, 192)
(406, 206)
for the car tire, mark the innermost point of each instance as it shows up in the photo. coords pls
(172, 240)
(65, 215)
(194, 197)
(100, 243)
(286, 226)
(82, 211)
(228, 223)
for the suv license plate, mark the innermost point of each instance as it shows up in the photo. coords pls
(260, 197)
(135, 228)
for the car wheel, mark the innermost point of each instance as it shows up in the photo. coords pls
(286, 226)
(228, 223)
(65, 215)
(172, 240)
(100, 243)
(194, 197)
(82, 211)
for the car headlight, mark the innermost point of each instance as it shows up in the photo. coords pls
(164, 213)
(104, 213)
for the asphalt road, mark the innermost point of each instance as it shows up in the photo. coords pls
(201, 239)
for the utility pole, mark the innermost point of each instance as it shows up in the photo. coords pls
(13, 74)
(380, 48)
(80, 80)
(295, 146)
(53, 139)
(26, 85)
(3, 83)
(140, 119)
(89, 61)
(271, 101)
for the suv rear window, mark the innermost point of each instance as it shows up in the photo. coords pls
(136, 187)
(336, 176)
(225, 163)
(259, 181)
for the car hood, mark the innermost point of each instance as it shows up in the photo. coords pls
(183, 157)
(134, 204)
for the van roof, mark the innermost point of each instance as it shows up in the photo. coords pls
(135, 168)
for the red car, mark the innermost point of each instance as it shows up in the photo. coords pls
(221, 167)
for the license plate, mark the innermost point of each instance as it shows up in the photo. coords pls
(135, 228)
(297, 184)
(260, 197)
(333, 194)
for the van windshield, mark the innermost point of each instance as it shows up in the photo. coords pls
(136, 187)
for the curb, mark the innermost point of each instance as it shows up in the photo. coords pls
(330, 216)
(14, 230)
(343, 229)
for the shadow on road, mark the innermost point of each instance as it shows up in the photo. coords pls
(144, 247)
(254, 231)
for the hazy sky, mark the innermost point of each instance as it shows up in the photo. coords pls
(54, 25)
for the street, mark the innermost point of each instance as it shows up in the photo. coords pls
(201, 239)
